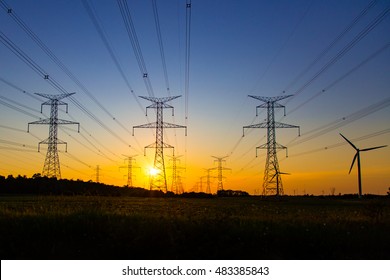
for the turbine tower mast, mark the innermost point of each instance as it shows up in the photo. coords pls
(220, 168)
(272, 183)
(51, 167)
(357, 156)
(159, 181)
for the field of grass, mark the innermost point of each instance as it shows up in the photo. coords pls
(82, 227)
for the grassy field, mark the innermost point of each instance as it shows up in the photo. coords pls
(82, 227)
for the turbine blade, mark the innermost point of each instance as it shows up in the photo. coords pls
(374, 148)
(353, 162)
(349, 142)
(284, 173)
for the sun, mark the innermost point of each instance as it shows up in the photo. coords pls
(153, 171)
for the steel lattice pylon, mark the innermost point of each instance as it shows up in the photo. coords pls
(51, 167)
(272, 183)
(208, 182)
(220, 168)
(130, 160)
(159, 181)
(176, 180)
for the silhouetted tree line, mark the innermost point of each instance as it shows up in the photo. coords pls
(196, 195)
(21, 185)
(51, 186)
(231, 193)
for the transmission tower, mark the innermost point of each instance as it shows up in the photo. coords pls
(208, 170)
(97, 174)
(130, 166)
(159, 181)
(272, 183)
(175, 182)
(51, 167)
(220, 168)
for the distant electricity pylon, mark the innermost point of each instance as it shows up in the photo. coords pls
(208, 188)
(159, 180)
(51, 167)
(357, 156)
(97, 174)
(130, 166)
(272, 183)
(176, 185)
(179, 183)
(220, 168)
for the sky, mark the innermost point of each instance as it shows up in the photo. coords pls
(333, 57)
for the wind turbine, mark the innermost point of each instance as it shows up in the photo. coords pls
(357, 155)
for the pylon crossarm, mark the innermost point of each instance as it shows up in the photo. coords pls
(147, 125)
(269, 104)
(154, 145)
(59, 121)
(55, 97)
(259, 125)
(44, 121)
(277, 146)
(171, 125)
(284, 125)
(55, 102)
(159, 105)
(47, 142)
(270, 99)
(159, 99)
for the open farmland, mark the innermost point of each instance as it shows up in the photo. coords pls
(91, 227)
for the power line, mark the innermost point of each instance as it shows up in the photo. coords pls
(103, 36)
(282, 47)
(54, 58)
(187, 57)
(33, 65)
(18, 104)
(343, 121)
(341, 78)
(20, 90)
(329, 47)
(18, 109)
(130, 28)
(31, 115)
(336, 145)
(161, 45)
(374, 23)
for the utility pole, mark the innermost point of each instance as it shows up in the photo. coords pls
(159, 180)
(51, 167)
(272, 183)
(129, 167)
(220, 168)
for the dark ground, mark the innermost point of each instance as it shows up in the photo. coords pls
(288, 228)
